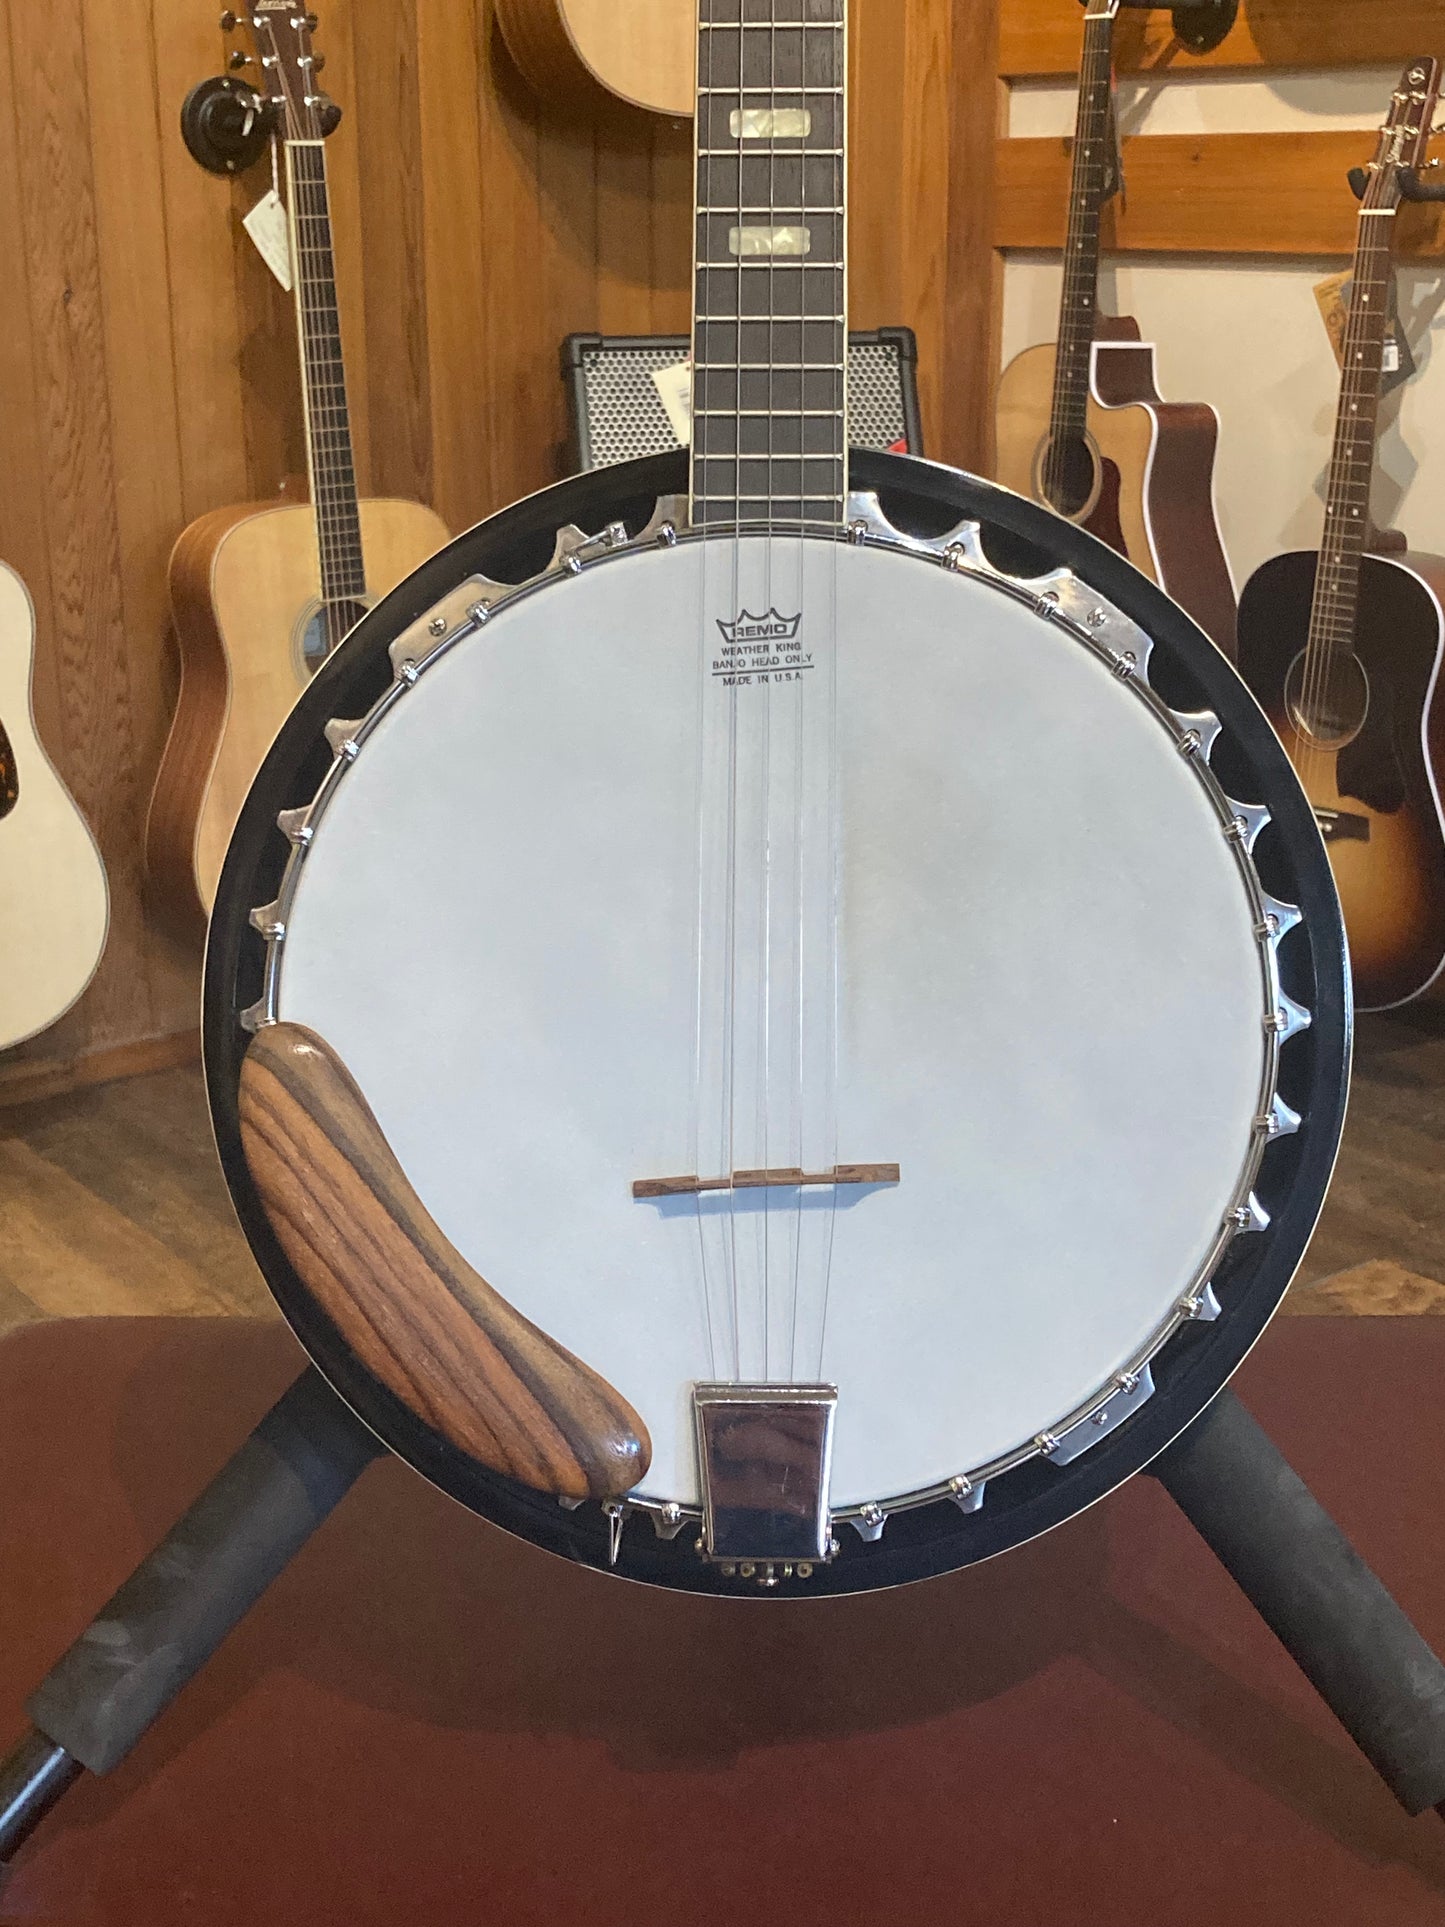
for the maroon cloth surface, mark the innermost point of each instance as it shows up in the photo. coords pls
(425, 1722)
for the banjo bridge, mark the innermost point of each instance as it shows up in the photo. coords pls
(784, 1180)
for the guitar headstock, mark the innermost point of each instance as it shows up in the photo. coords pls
(1405, 137)
(282, 30)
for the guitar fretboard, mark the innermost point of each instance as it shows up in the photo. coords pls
(1092, 174)
(323, 377)
(770, 324)
(1352, 463)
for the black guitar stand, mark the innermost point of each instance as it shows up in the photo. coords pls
(1412, 188)
(1346, 1633)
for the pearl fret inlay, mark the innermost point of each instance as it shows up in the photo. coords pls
(770, 123)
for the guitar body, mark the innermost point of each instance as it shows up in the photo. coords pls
(1153, 493)
(588, 52)
(244, 585)
(54, 901)
(1377, 797)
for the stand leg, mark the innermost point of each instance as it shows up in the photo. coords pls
(1319, 1598)
(179, 1604)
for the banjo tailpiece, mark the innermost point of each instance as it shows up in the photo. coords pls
(765, 1454)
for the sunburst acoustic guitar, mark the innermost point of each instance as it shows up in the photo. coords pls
(261, 594)
(54, 902)
(1344, 648)
(1082, 426)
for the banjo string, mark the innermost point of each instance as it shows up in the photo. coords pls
(731, 896)
(706, 116)
(840, 42)
(765, 975)
(799, 691)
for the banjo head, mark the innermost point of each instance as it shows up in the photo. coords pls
(960, 872)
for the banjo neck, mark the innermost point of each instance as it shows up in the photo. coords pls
(770, 434)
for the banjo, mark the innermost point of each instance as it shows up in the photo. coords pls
(777, 1019)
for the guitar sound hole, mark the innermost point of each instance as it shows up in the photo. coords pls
(1329, 702)
(9, 776)
(1068, 475)
(327, 626)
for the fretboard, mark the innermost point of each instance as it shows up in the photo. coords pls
(323, 377)
(770, 327)
(1352, 463)
(1091, 177)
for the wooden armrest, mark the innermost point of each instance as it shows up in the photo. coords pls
(409, 1305)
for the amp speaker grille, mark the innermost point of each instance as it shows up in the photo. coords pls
(617, 413)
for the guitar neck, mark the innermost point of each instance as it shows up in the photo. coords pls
(1352, 462)
(770, 330)
(1089, 187)
(1404, 141)
(323, 376)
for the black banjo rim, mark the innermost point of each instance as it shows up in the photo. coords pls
(926, 499)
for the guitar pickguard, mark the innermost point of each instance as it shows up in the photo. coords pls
(1370, 768)
(1104, 519)
(9, 776)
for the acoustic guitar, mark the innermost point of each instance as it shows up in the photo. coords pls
(592, 52)
(54, 902)
(263, 593)
(1082, 426)
(1344, 648)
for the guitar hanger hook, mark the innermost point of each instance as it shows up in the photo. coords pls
(1412, 187)
(1199, 25)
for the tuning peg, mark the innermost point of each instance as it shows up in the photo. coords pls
(318, 61)
(238, 59)
(228, 21)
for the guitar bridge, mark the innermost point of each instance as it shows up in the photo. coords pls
(766, 1454)
(1343, 826)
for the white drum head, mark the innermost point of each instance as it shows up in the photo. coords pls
(1050, 1013)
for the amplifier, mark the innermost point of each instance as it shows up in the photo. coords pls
(617, 412)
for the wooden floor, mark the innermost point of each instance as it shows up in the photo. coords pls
(112, 1201)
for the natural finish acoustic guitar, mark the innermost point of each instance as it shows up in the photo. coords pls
(1082, 426)
(586, 51)
(1344, 649)
(262, 594)
(54, 904)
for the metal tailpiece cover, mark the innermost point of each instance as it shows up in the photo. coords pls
(765, 1453)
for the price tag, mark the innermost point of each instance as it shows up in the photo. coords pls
(674, 388)
(1397, 359)
(267, 226)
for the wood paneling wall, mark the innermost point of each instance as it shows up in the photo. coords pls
(1259, 194)
(147, 364)
(1253, 193)
(1040, 38)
